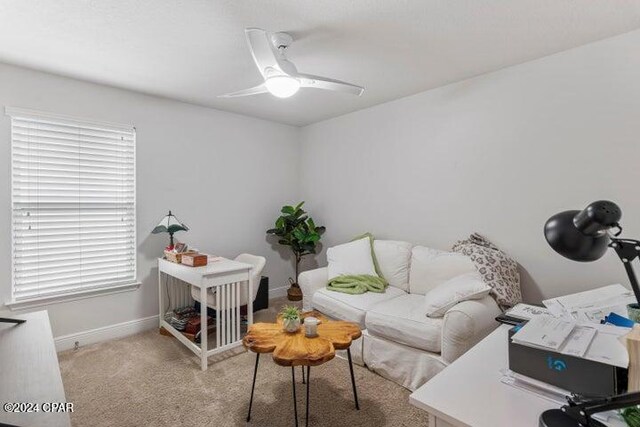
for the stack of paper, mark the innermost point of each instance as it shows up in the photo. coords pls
(526, 311)
(545, 331)
(571, 326)
(592, 306)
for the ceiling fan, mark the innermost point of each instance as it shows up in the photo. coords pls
(281, 78)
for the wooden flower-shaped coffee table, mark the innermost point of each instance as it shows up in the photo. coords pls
(295, 349)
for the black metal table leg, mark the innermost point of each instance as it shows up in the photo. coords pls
(295, 405)
(353, 379)
(306, 423)
(302, 374)
(253, 386)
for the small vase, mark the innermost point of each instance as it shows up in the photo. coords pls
(291, 325)
(633, 310)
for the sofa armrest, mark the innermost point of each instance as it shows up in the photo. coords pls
(310, 281)
(465, 324)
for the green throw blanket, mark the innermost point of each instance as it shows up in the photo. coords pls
(357, 284)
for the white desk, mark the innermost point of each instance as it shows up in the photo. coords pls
(469, 392)
(227, 277)
(29, 371)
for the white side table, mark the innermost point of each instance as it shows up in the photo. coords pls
(227, 277)
(469, 391)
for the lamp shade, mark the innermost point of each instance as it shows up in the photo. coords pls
(169, 224)
(582, 235)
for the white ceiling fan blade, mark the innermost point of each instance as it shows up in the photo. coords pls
(246, 92)
(264, 53)
(308, 80)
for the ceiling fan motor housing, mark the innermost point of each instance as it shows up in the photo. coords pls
(281, 40)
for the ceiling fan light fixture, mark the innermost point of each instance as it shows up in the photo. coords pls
(282, 86)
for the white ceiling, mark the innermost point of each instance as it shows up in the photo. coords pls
(194, 50)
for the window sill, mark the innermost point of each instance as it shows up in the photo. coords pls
(39, 302)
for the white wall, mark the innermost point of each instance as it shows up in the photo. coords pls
(497, 154)
(223, 174)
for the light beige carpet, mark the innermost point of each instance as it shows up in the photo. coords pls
(153, 380)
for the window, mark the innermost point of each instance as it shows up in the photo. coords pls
(73, 206)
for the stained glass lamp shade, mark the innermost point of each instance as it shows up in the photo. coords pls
(169, 224)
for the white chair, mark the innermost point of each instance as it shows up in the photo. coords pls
(258, 263)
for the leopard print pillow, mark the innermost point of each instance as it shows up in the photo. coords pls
(498, 270)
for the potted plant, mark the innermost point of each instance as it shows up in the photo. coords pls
(290, 316)
(297, 230)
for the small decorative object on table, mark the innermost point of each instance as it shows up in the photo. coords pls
(169, 224)
(311, 326)
(195, 259)
(180, 247)
(290, 318)
(177, 257)
(631, 416)
(295, 229)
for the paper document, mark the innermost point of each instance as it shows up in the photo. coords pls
(544, 331)
(526, 311)
(578, 341)
(592, 306)
(606, 346)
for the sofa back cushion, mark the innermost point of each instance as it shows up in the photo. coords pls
(350, 258)
(431, 267)
(446, 295)
(393, 259)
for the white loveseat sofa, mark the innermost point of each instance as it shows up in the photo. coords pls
(399, 341)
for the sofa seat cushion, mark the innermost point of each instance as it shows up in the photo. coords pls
(351, 308)
(404, 320)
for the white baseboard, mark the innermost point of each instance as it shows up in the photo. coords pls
(278, 292)
(105, 333)
(120, 330)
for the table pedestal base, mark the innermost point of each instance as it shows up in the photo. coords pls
(308, 384)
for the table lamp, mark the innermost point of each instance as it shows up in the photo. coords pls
(585, 236)
(169, 224)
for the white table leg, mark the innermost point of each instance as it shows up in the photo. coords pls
(250, 301)
(160, 299)
(204, 330)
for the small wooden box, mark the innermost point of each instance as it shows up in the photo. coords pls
(176, 257)
(195, 259)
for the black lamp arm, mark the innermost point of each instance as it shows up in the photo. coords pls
(628, 250)
(582, 411)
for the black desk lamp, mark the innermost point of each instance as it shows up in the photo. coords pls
(585, 236)
(11, 320)
(579, 414)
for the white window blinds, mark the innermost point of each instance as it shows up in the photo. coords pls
(73, 205)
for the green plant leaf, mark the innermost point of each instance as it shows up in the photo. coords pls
(297, 231)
